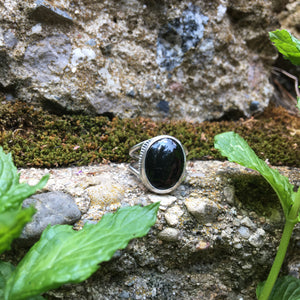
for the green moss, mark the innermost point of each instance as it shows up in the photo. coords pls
(255, 194)
(39, 139)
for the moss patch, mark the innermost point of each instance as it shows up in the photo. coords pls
(256, 194)
(40, 139)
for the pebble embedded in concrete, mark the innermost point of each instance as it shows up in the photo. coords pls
(106, 196)
(203, 209)
(52, 208)
(165, 200)
(246, 221)
(229, 194)
(257, 239)
(173, 214)
(169, 235)
(244, 232)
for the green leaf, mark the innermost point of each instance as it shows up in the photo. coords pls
(63, 255)
(237, 150)
(285, 288)
(11, 225)
(12, 193)
(286, 44)
(298, 103)
(5, 271)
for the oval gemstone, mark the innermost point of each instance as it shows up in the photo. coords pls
(164, 163)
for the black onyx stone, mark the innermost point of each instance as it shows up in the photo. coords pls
(164, 163)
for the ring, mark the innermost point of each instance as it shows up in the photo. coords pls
(160, 163)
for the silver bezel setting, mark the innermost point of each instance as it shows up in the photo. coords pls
(140, 170)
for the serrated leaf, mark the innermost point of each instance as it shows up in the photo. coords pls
(236, 149)
(287, 45)
(285, 288)
(66, 256)
(12, 193)
(11, 225)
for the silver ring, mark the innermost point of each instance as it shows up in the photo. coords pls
(160, 163)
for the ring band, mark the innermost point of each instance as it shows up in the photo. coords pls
(160, 163)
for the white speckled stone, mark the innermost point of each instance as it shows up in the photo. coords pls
(173, 214)
(165, 200)
(257, 239)
(244, 232)
(248, 223)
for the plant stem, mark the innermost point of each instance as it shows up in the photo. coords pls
(286, 235)
(291, 220)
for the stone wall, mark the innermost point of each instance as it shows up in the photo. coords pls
(195, 60)
(215, 237)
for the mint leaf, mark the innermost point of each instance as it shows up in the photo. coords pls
(11, 225)
(12, 193)
(237, 150)
(63, 255)
(285, 288)
(287, 45)
(5, 271)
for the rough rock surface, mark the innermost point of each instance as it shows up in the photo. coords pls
(290, 16)
(180, 59)
(52, 208)
(215, 236)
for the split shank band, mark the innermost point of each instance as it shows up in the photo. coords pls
(160, 163)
